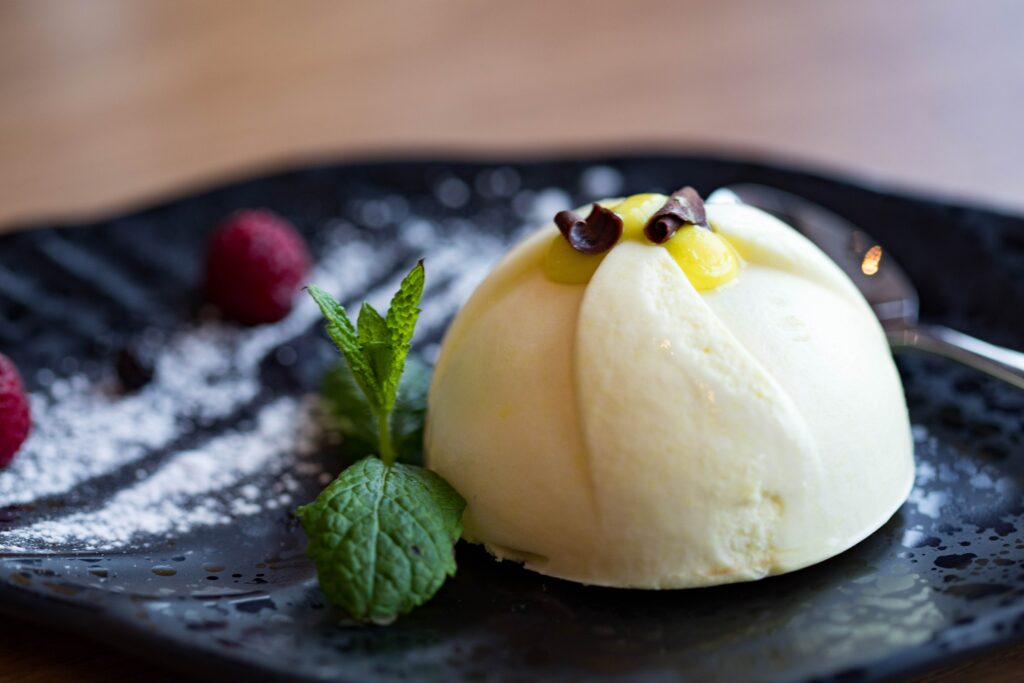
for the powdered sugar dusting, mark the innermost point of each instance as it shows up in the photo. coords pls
(177, 498)
(85, 431)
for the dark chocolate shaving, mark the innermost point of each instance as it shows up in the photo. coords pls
(595, 235)
(684, 207)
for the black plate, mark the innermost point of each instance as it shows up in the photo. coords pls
(942, 578)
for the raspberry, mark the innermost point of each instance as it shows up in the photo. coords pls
(15, 419)
(255, 263)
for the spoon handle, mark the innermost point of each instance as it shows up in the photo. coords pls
(996, 361)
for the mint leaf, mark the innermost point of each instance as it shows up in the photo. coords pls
(375, 344)
(401, 322)
(382, 537)
(354, 420)
(373, 329)
(343, 334)
(350, 414)
(404, 308)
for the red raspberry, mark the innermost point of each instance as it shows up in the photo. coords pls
(255, 263)
(15, 419)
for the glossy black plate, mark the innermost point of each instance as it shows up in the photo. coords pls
(217, 584)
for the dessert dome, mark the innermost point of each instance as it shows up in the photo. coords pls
(666, 395)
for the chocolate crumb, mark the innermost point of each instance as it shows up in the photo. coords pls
(135, 366)
(595, 235)
(684, 207)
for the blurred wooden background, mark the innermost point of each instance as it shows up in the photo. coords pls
(106, 104)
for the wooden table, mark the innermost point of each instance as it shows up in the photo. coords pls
(108, 104)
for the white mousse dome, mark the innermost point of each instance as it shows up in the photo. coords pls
(634, 431)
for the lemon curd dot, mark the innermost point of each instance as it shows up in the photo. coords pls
(635, 211)
(706, 259)
(567, 266)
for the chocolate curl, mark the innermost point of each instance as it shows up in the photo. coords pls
(684, 207)
(595, 235)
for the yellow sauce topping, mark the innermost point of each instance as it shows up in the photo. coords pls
(635, 211)
(564, 264)
(706, 258)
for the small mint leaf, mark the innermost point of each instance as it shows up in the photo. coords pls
(382, 538)
(401, 321)
(374, 341)
(404, 308)
(372, 326)
(343, 334)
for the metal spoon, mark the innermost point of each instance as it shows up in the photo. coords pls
(883, 283)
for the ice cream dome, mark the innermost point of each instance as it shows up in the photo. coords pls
(654, 393)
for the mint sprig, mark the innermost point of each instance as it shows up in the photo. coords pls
(376, 351)
(382, 534)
